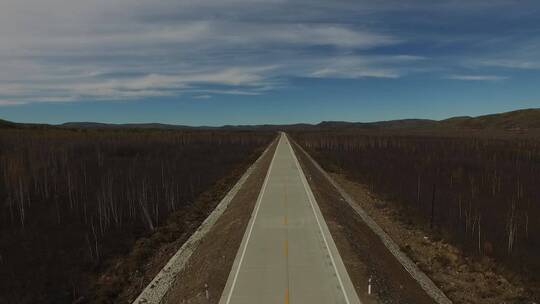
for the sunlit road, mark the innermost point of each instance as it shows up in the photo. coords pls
(287, 254)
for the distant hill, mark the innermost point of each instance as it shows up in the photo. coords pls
(7, 124)
(520, 119)
(269, 127)
(98, 125)
(515, 120)
(389, 124)
(407, 124)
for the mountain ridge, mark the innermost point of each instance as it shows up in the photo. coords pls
(513, 120)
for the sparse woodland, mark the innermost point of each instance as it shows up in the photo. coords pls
(481, 192)
(72, 198)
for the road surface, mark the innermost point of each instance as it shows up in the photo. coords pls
(287, 254)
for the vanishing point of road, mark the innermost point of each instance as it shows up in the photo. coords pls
(287, 254)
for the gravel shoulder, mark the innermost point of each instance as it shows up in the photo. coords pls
(464, 279)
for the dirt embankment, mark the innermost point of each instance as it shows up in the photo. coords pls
(209, 266)
(363, 253)
(463, 279)
(127, 276)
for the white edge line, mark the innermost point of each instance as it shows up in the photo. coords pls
(259, 199)
(308, 192)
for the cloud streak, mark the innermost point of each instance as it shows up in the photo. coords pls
(477, 77)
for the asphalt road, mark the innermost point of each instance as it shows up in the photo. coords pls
(287, 254)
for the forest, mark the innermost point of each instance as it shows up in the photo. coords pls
(74, 198)
(480, 191)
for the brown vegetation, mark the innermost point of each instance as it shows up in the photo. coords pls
(478, 192)
(72, 199)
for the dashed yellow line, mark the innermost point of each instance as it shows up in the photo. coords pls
(285, 192)
(286, 296)
(285, 221)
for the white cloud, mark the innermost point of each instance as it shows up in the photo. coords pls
(354, 73)
(136, 87)
(360, 66)
(302, 34)
(511, 63)
(477, 77)
(231, 76)
(205, 96)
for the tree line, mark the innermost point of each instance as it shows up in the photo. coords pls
(481, 192)
(72, 198)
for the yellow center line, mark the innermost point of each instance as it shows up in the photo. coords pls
(285, 220)
(286, 296)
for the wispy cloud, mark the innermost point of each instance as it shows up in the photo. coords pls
(249, 79)
(59, 50)
(206, 96)
(477, 77)
(351, 67)
(159, 62)
(341, 72)
(511, 63)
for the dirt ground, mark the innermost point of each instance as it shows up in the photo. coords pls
(463, 279)
(210, 265)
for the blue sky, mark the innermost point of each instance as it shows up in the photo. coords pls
(214, 62)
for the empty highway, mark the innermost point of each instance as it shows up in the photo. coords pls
(287, 254)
